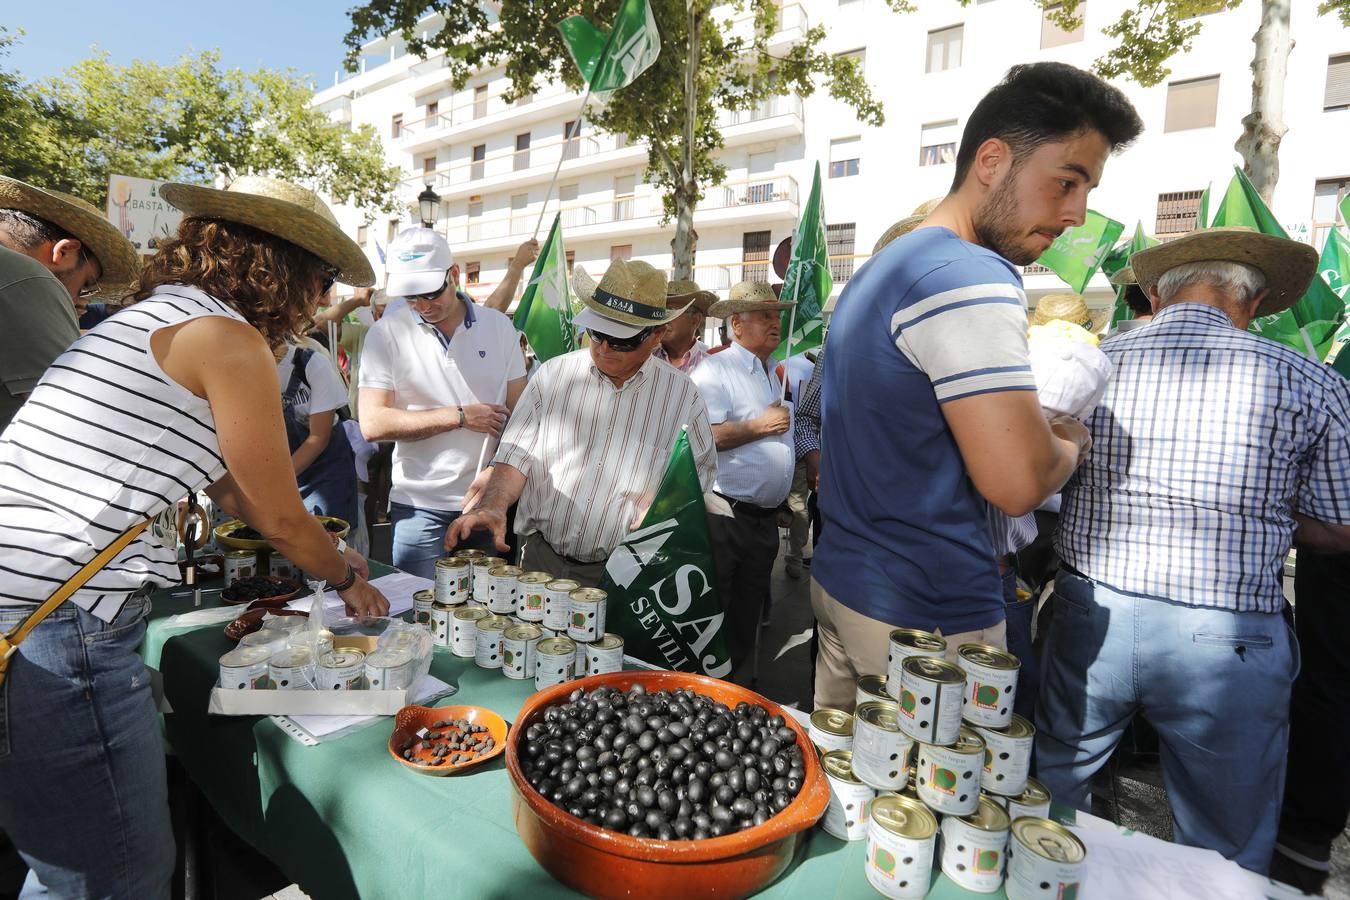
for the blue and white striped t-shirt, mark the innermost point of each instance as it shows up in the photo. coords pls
(929, 320)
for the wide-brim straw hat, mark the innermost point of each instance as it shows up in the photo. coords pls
(280, 208)
(1124, 277)
(682, 293)
(632, 296)
(116, 256)
(907, 224)
(748, 296)
(1069, 307)
(1289, 267)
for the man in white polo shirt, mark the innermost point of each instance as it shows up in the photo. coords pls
(439, 376)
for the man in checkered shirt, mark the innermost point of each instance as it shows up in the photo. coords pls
(1213, 450)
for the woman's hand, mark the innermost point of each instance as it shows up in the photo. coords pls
(362, 599)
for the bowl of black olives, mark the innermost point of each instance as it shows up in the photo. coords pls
(662, 784)
(261, 590)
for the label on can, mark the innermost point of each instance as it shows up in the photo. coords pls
(1045, 860)
(389, 670)
(1034, 801)
(605, 655)
(1007, 757)
(832, 729)
(907, 642)
(442, 619)
(949, 777)
(530, 596)
(519, 647)
(503, 585)
(586, 614)
(880, 748)
(974, 847)
(991, 684)
(871, 687)
(846, 816)
(341, 670)
(482, 567)
(557, 603)
(901, 835)
(454, 576)
(245, 669)
(281, 567)
(240, 564)
(292, 669)
(930, 699)
(464, 630)
(422, 601)
(554, 660)
(488, 644)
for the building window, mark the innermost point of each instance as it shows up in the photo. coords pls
(429, 165)
(937, 143)
(1177, 213)
(844, 155)
(522, 151)
(755, 256)
(840, 240)
(478, 165)
(475, 209)
(571, 260)
(480, 101)
(944, 48)
(1338, 83)
(393, 231)
(433, 108)
(568, 193)
(573, 147)
(1327, 197)
(472, 272)
(362, 234)
(621, 251)
(396, 126)
(520, 221)
(1192, 104)
(1054, 36)
(624, 186)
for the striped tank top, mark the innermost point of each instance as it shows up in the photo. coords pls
(105, 440)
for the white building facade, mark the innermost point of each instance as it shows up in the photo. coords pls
(491, 162)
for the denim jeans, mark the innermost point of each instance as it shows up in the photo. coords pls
(1019, 617)
(83, 792)
(419, 538)
(1214, 683)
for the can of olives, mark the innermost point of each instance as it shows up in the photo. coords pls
(389, 670)
(488, 645)
(907, 642)
(482, 577)
(832, 729)
(880, 748)
(557, 603)
(930, 699)
(530, 596)
(274, 640)
(341, 670)
(586, 614)
(1045, 860)
(240, 564)
(464, 630)
(503, 586)
(1034, 801)
(949, 777)
(991, 684)
(554, 661)
(245, 668)
(871, 687)
(292, 669)
(442, 619)
(281, 567)
(454, 578)
(1007, 756)
(974, 847)
(846, 816)
(901, 834)
(519, 648)
(422, 601)
(605, 655)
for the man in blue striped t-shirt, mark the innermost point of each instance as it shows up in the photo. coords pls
(929, 409)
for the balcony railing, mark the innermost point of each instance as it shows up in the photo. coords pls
(466, 111)
(770, 108)
(789, 18)
(502, 163)
(768, 189)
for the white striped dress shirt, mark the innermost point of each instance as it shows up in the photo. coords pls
(593, 454)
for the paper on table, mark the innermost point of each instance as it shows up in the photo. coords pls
(1130, 866)
(427, 686)
(397, 587)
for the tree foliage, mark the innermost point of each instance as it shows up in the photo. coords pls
(193, 120)
(733, 68)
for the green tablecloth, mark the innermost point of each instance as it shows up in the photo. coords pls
(344, 820)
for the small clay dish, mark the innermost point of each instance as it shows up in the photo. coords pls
(412, 719)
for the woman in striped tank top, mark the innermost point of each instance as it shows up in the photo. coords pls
(176, 393)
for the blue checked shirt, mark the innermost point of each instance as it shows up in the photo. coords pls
(1206, 442)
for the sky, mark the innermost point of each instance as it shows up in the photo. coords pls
(303, 34)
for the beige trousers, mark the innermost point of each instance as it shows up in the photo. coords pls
(853, 645)
(799, 532)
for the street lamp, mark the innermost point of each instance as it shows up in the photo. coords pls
(428, 202)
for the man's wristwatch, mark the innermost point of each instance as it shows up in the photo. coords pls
(346, 582)
(461, 416)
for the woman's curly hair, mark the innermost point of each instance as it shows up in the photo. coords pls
(271, 282)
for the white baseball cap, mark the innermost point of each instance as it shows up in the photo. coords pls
(417, 262)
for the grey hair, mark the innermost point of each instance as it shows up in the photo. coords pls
(26, 231)
(1239, 280)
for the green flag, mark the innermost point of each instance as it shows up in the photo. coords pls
(1334, 267)
(1309, 326)
(1078, 251)
(1118, 259)
(807, 279)
(609, 61)
(662, 583)
(545, 310)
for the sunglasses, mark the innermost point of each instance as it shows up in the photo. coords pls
(621, 345)
(87, 291)
(330, 275)
(432, 295)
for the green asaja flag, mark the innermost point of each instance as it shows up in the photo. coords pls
(1078, 251)
(662, 584)
(614, 59)
(1334, 268)
(545, 310)
(1310, 325)
(1118, 259)
(807, 279)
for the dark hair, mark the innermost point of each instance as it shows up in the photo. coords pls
(28, 231)
(1039, 103)
(1137, 300)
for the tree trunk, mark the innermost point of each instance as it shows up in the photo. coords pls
(687, 193)
(1264, 128)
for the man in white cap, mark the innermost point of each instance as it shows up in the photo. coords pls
(55, 251)
(590, 439)
(755, 459)
(439, 376)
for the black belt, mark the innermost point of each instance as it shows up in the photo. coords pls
(570, 560)
(750, 509)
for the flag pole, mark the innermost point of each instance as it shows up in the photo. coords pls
(571, 133)
(1308, 344)
(792, 327)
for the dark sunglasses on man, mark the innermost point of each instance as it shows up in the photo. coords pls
(621, 345)
(430, 295)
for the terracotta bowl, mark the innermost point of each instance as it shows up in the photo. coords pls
(251, 620)
(603, 863)
(411, 719)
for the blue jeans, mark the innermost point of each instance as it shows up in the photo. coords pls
(419, 538)
(1019, 616)
(83, 792)
(1214, 683)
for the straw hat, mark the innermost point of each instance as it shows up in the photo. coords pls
(748, 296)
(283, 209)
(632, 296)
(907, 224)
(115, 254)
(1068, 307)
(684, 293)
(1289, 266)
(1124, 277)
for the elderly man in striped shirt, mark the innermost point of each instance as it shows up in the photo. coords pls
(1213, 449)
(589, 440)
